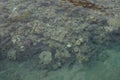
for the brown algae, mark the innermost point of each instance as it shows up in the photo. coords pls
(87, 4)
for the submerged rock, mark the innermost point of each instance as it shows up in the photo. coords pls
(62, 54)
(12, 54)
(45, 57)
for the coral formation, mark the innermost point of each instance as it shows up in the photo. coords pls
(45, 57)
(12, 55)
(57, 34)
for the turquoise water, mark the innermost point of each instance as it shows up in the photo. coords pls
(48, 40)
(101, 70)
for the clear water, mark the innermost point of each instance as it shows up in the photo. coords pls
(107, 70)
(106, 67)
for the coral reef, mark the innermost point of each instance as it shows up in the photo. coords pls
(45, 57)
(59, 35)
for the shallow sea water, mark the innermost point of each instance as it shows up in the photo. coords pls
(109, 69)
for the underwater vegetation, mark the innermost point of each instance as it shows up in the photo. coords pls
(54, 39)
(87, 4)
(107, 10)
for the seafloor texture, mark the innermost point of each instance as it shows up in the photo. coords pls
(59, 39)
